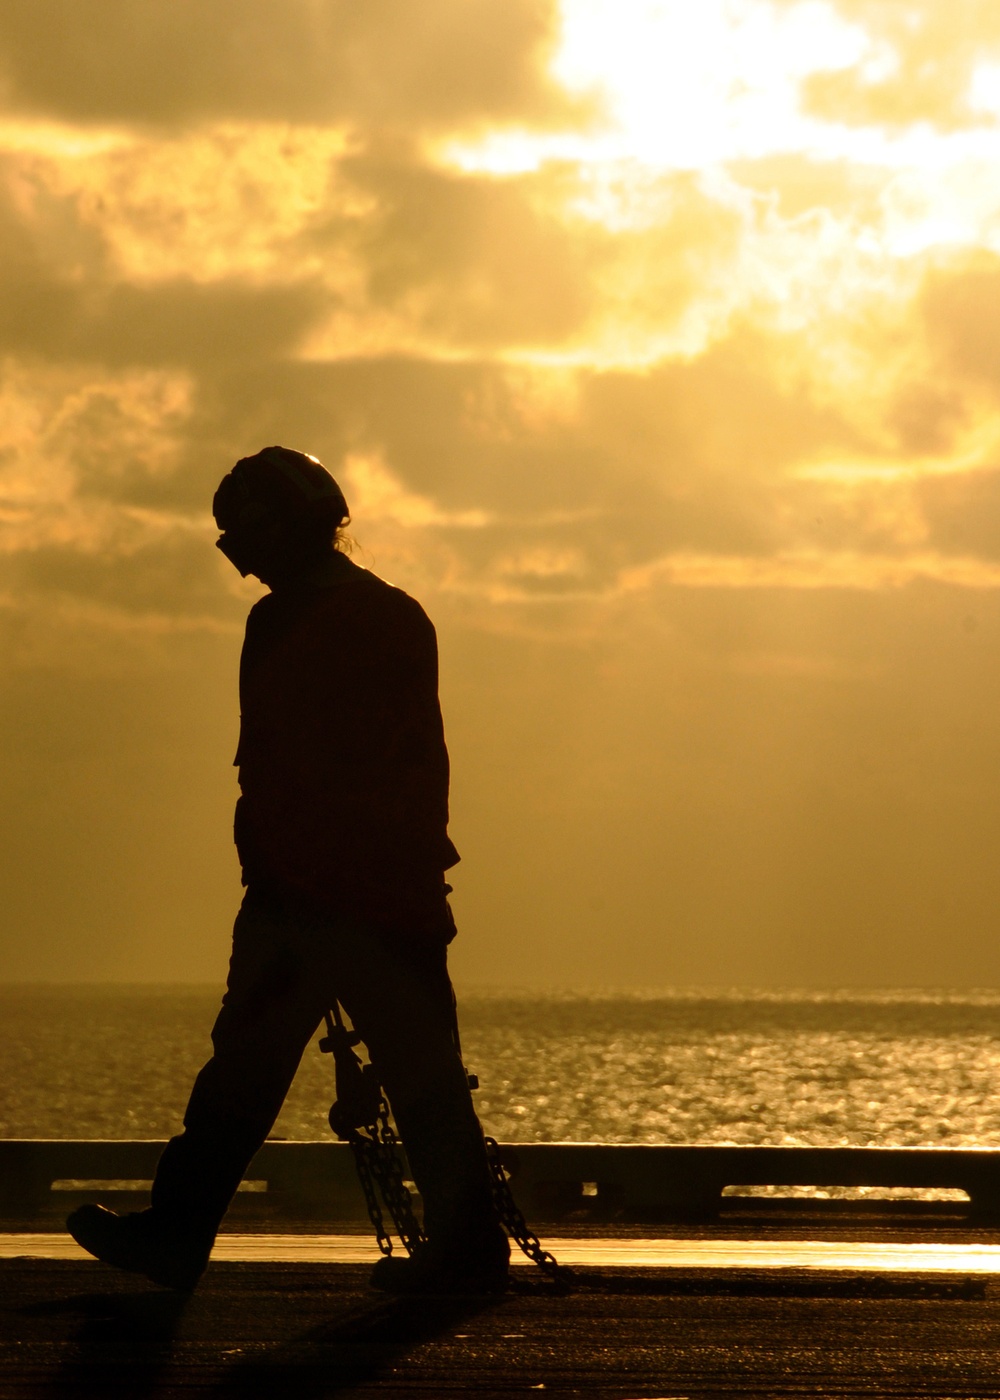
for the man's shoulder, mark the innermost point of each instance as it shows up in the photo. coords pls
(259, 613)
(352, 591)
(393, 601)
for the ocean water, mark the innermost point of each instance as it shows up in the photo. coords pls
(892, 1068)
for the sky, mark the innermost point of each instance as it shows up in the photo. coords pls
(654, 346)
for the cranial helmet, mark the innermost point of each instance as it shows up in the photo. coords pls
(277, 481)
(275, 500)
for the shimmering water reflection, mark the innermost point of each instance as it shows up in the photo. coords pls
(894, 1068)
(817, 1071)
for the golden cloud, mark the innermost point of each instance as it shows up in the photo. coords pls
(611, 368)
(654, 339)
(756, 356)
(177, 62)
(924, 62)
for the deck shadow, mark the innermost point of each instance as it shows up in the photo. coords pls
(777, 1283)
(334, 1357)
(124, 1340)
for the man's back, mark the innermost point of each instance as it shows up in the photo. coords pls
(343, 765)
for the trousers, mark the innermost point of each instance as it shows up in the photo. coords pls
(288, 965)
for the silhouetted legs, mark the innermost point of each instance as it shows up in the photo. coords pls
(286, 969)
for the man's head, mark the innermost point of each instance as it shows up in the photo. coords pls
(279, 512)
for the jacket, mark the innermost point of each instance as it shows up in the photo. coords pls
(342, 760)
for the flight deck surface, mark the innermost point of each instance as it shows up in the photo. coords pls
(282, 1316)
(741, 1296)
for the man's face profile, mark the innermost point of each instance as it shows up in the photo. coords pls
(243, 523)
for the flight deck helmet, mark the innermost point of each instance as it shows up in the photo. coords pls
(277, 510)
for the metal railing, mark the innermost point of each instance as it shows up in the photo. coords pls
(41, 1179)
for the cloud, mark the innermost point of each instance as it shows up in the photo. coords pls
(377, 495)
(608, 471)
(102, 511)
(343, 248)
(63, 298)
(462, 261)
(921, 65)
(960, 304)
(801, 184)
(68, 430)
(466, 262)
(680, 420)
(314, 61)
(175, 323)
(963, 513)
(814, 569)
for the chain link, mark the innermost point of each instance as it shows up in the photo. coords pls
(361, 1148)
(513, 1221)
(361, 1117)
(382, 1151)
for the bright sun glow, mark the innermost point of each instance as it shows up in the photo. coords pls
(836, 218)
(690, 85)
(682, 87)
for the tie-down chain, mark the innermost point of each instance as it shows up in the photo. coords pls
(360, 1116)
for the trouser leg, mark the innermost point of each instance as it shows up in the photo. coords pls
(270, 1010)
(285, 970)
(404, 1009)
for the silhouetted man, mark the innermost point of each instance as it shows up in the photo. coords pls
(341, 829)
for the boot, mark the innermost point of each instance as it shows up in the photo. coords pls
(427, 1270)
(143, 1243)
(467, 1248)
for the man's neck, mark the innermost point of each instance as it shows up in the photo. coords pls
(326, 572)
